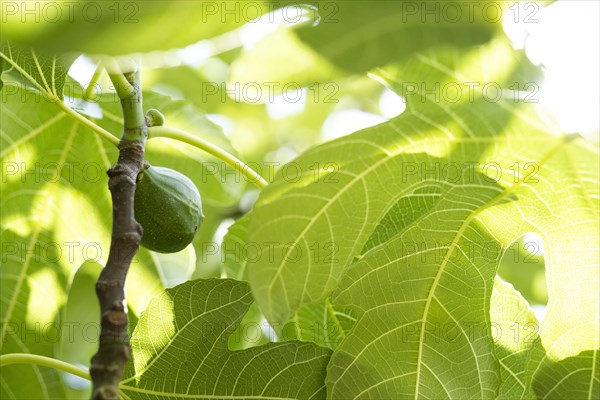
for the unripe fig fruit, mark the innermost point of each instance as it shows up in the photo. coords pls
(169, 208)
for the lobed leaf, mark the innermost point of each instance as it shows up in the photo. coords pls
(417, 245)
(180, 351)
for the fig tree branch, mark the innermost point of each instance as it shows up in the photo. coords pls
(114, 349)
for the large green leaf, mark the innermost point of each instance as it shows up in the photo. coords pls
(321, 220)
(427, 195)
(359, 35)
(317, 323)
(423, 289)
(42, 237)
(122, 27)
(180, 351)
(418, 282)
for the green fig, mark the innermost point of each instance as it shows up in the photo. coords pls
(169, 208)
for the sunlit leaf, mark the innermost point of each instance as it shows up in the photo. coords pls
(48, 229)
(187, 355)
(433, 197)
(317, 323)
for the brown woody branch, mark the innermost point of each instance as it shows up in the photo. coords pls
(114, 350)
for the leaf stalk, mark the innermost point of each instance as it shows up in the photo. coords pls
(24, 358)
(186, 137)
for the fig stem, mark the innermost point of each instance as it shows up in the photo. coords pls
(186, 137)
(114, 350)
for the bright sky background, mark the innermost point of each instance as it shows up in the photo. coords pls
(566, 42)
